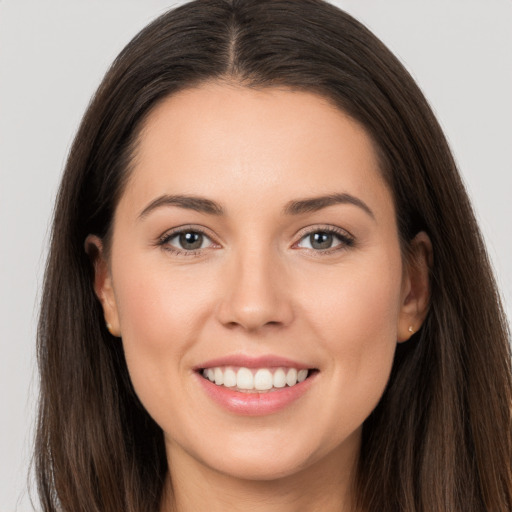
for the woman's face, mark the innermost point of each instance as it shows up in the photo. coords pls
(256, 237)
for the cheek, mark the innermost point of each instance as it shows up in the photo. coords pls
(154, 301)
(357, 301)
(356, 325)
(161, 315)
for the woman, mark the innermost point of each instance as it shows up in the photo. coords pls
(266, 287)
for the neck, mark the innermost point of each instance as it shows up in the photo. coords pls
(326, 485)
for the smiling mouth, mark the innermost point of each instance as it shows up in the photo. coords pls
(256, 380)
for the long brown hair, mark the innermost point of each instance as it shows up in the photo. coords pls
(440, 438)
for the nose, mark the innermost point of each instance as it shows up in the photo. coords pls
(256, 292)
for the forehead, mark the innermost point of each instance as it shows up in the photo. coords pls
(270, 142)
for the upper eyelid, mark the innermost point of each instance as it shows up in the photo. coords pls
(171, 233)
(324, 228)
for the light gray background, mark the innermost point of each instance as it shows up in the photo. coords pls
(53, 54)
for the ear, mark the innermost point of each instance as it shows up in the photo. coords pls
(103, 283)
(415, 298)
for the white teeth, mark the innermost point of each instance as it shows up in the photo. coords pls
(291, 377)
(301, 375)
(244, 379)
(279, 379)
(219, 376)
(261, 379)
(229, 378)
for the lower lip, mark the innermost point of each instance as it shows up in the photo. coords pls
(253, 403)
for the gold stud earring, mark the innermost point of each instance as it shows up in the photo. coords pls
(411, 330)
(109, 327)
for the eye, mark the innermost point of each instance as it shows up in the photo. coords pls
(325, 239)
(190, 240)
(186, 241)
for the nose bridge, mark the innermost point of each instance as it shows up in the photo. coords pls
(256, 291)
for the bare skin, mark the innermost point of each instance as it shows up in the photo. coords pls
(322, 283)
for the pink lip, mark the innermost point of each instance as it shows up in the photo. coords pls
(254, 403)
(268, 361)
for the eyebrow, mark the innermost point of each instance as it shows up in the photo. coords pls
(318, 203)
(198, 204)
(297, 207)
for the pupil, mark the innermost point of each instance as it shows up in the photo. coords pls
(321, 240)
(191, 240)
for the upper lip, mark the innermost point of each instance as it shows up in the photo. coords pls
(266, 361)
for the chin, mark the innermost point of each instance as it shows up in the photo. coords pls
(260, 468)
(271, 456)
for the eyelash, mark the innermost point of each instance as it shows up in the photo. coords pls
(346, 240)
(164, 240)
(343, 236)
